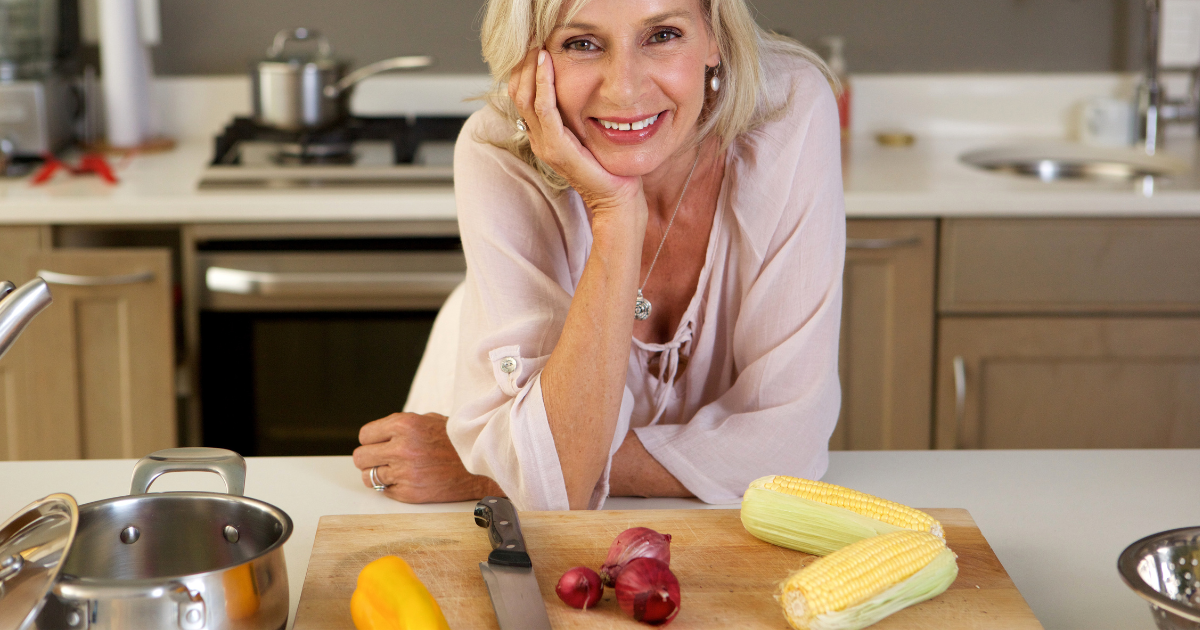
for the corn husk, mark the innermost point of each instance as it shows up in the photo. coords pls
(928, 582)
(807, 525)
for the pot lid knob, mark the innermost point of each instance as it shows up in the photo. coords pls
(33, 545)
(301, 34)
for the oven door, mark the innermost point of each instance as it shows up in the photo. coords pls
(299, 349)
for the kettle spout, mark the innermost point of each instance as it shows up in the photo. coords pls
(18, 307)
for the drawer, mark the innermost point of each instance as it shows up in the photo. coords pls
(1083, 266)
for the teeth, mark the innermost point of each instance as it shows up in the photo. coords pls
(637, 126)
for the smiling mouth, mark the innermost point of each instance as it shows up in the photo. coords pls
(634, 126)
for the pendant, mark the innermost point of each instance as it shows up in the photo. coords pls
(641, 308)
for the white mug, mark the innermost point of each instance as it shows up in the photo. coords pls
(1108, 122)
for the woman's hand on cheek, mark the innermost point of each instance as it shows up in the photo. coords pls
(532, 90)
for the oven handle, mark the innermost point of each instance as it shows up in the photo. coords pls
(318, 283)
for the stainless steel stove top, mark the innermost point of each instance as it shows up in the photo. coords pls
(367, 153)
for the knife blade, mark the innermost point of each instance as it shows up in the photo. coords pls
(508, 571)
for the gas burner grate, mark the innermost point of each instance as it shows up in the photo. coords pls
(334, 145)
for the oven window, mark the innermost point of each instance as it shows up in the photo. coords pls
(304, 383)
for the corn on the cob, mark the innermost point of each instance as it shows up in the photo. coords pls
(820, 518)
(862, 583)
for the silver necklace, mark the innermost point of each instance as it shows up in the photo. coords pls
(642, 306)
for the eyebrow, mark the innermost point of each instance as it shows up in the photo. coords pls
(661, 17)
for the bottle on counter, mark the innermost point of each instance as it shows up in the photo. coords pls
(837, 64)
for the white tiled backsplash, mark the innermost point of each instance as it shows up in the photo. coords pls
(927, 105)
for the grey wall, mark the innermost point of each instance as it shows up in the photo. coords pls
(223, 36)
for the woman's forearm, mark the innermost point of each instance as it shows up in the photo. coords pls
(584, 381)
(635, 473)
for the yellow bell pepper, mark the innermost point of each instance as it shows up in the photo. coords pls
(391, 597)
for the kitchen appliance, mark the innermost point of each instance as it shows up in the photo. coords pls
(39, 42)
(18, 307)
(1164, 569)
(35, 116)
(508, 571)
(361, 152)
(308, 332)
(295, 91)
(186, 560)
(728, 578)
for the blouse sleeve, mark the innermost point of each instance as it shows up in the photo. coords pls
(783, 405)
(521, 275)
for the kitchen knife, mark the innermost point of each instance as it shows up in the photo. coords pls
(508, 571)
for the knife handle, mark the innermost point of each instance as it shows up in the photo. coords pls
(499, 516)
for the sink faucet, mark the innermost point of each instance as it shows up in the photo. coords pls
(1155, 110)
(18, 307)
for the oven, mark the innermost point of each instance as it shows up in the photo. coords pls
(304, 334)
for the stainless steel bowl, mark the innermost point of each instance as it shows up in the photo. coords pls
(1164, 569)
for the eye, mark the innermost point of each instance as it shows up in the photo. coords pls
(580, 45)
(663, 36)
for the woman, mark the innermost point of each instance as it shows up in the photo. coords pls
(655, 170)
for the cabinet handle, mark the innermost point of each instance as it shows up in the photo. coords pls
(54, 277)
(960, 398)
(882, 243)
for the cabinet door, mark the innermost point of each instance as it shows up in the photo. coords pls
(100, 359)
(15, 244)
(886, 355)
(1068, 382)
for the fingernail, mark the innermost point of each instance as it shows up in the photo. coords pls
(541, 57)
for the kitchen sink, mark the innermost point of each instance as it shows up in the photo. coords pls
(1056, 162)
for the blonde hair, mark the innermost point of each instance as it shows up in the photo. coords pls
(748, 96)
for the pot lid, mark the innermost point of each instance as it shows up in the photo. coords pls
(33, 545)
(307, 47)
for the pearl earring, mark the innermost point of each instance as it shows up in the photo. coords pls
(715, 81)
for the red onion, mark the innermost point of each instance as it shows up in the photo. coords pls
(637, 542)
(648, 591)
(580, 588)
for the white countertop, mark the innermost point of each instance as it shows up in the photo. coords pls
(1056, 519)
(949, 114)
(925, 180)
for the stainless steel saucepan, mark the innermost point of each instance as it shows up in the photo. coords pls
(186, 560)
(296, 90)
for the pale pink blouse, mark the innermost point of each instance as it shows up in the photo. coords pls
(759, 394)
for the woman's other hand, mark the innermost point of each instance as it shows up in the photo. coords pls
(531, 88)
(415, 459)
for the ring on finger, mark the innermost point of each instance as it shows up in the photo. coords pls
(522, 126)
(375, 482)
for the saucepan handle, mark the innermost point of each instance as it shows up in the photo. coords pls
(191, 604)
(395, 63)
(228, 464)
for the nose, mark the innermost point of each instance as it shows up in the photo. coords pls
(624, 78)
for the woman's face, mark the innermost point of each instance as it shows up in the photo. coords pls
(629, 77)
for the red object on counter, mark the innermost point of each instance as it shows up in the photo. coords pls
(90, 163)
(843, 101)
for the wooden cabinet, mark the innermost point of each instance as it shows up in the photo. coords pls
(93, 375)
(1070, 266)
(1079, 333)
(1068, 382)
(15, 407)
(886, 353)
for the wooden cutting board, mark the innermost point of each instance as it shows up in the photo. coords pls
(727, 576)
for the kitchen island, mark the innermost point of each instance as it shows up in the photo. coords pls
(1056, 519)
